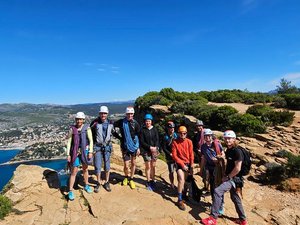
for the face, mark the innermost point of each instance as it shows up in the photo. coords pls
(171, 130)
(103, 116)
(79, 122)
(199, 127)
(207, 138)
(229, 141)
(129, 116)
(182, 135)
(148, 123)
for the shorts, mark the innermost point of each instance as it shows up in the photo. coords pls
(78, 160)
(149, 157)
(128, 155)
(178, 167)
(99, 156)
(171, 167)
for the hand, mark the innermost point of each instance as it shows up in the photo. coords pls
(90, 155)
(138, 152)
(225, 179)
(69, 158)
(185, 168)
(191, 170)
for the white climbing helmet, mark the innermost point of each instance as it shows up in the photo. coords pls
(229, 134)
(129, 109)
(207, 131)
(80, 115)
(103, 109)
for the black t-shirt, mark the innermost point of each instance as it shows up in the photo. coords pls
(232, 155)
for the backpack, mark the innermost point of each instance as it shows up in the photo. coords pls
(246, 164)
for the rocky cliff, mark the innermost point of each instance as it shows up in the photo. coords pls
(39, 199)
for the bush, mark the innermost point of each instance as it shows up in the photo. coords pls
(189, 107)
(259, 110)
(5, 206)
(292, 101)
(220, 117)
(275, 173)
(246, 124)
(284, 118)
(293, 166)
(279, 102)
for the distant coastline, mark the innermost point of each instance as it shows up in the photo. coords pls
(12, 148)
(32, 160)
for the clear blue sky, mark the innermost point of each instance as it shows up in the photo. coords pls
(84, 51)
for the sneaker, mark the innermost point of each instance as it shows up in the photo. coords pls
(71, 196)
(107, 187)
(148, 186)
(125, 181)
(181, 205)
(221, 212)
(209, 221)
(153, 185)
(97, 188)
(132, 184)
(88, 189)
(241, 222)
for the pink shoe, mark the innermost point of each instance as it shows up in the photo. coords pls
(241, 222)
(209, 221)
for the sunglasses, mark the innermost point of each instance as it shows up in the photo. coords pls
(183, 133)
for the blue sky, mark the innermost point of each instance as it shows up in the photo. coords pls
(71, 51)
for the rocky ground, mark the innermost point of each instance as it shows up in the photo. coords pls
(38, 200)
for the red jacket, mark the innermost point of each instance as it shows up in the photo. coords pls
(182, 151)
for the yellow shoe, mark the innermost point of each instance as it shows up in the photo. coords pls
(125, 182)
(132, 184)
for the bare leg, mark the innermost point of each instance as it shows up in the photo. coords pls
(85, 174)
(147, 170)
(133, 166)
(72, 178)
(152, 166)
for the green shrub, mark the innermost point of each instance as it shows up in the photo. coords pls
(188, 107)
(293, 166)
(246, 124)
(284, 118)
(5, 206)
(292, 101)
(279, 102)
(275, 173)
(259, 110)
(220, 117)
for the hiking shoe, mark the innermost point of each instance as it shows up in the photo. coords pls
(181, 205)
(71, 196)
(153, 185)
(241, 222)
(88, 189)
(125, 181)
(221, 212)
(132, 184)
(148, 186)
(97, 188)
(107, 187)
(209, 221)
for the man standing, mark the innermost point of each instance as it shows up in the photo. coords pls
(129, 129)
(183, 155)
(169, 137)
(102, 130)
(233, 182)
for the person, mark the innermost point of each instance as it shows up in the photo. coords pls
(212, 153)
(129, 131)
(198, 140)
(102, 130)
(79, 151)
(168, 138)
(149, 141)
(232, 181)
(183, 155)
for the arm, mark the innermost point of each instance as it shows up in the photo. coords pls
(143, 142)
(69, 142)
(90, 137)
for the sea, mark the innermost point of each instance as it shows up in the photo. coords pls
(6, 171)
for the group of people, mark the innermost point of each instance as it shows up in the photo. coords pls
(220, 169)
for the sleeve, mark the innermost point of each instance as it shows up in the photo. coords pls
(157, 144)
(90, 137)
(239, 155)
(69, 142)
(175, 155)
(137, 128)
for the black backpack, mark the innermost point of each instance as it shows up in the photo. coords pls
(246, 164)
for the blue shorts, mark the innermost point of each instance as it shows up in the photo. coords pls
(78, 160)
(99, 155)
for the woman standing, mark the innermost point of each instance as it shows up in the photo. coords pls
(79, 151)
(149, 146)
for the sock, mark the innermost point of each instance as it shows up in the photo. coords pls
(179, 196)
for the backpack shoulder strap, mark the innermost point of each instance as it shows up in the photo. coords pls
(217, 146)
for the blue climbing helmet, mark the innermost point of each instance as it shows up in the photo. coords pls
(148, 117)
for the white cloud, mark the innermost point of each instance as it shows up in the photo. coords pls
(293, 77)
